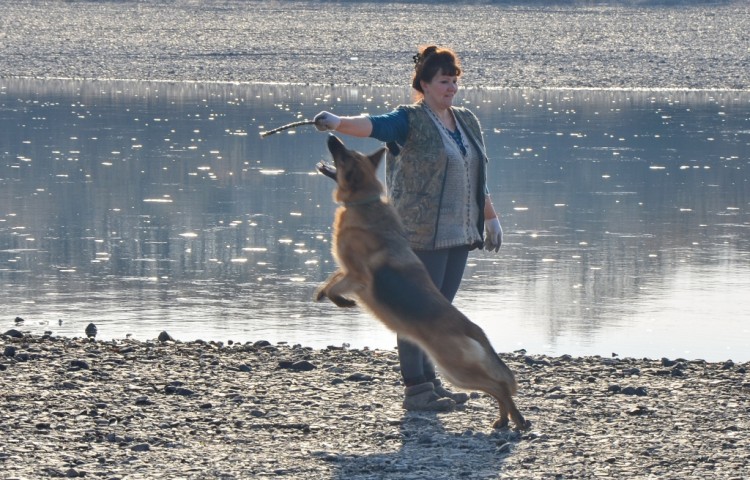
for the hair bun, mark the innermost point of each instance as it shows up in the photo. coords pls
(423, 54)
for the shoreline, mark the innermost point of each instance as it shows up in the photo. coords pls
(353, 85)
(142, 409)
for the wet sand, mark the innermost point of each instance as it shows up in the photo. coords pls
(126, 409)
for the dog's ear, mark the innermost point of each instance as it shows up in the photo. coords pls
(327, 170)
(375, 158)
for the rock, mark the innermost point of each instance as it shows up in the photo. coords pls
(10, 351)
(301, 365)
(79, 365)
(639, 410)
(91, 330)
(639, 391)
(13, 333)
(536, 362)
(173, 390)
(360, 377)
(141, 447)
(165, 337)
(19, 320)
(665, 362)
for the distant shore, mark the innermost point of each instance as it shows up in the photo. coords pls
(698, 45)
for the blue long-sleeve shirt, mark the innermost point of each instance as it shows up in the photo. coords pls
(390, 127)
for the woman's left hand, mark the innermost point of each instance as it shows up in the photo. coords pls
(493, 234)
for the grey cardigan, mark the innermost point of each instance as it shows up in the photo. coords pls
(415, 174)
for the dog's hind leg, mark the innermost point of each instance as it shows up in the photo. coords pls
(508, 410)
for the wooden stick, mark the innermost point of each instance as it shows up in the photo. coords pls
(287, 126)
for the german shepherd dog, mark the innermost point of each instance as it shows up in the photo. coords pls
(378, 267)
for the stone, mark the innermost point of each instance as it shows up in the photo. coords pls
(165, 337)
(13, 333)
(300, 366)
(360, 377)
(138, 412)
(91, 330)
(79, 365)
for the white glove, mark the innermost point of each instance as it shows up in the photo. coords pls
(326, 122)
(493, 234)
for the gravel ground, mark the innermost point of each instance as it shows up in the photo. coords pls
(702, 45)
(126, 409)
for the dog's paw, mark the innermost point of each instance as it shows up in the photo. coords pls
(525, 425)
(343, 302)
(340, 301)
(320, 295)
(500, 423)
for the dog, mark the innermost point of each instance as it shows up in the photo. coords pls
(378, 267)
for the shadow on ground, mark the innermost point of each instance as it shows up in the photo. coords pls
(429, 451)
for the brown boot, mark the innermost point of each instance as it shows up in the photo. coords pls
(444, 393)
(422, 397)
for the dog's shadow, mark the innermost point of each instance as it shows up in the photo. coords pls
(429, 451)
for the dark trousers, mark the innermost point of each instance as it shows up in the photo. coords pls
(446, 268)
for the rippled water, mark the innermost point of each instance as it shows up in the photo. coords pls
(156, 206)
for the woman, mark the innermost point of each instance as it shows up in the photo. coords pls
(436, 179)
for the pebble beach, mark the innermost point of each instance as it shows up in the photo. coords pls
(165, 409)
(126, 409)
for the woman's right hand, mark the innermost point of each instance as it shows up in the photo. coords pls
(326, 122)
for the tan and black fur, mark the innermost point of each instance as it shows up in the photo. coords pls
(377, 267)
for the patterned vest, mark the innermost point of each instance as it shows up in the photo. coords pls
(415, 174)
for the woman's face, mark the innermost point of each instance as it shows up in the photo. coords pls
(440, 90)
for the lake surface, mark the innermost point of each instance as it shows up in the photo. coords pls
(146, 206)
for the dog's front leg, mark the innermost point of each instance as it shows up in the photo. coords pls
(334, 288)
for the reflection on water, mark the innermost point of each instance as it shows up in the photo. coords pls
(154, 206)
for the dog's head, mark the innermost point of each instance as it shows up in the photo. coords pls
(354, 173)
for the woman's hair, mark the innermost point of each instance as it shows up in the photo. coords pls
(433, 60)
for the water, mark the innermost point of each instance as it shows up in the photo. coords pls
(145, 207)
